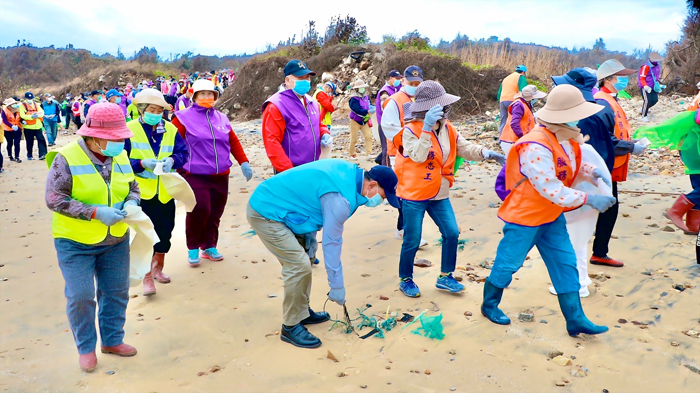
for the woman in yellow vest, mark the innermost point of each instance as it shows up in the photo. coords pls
(520, 118)
(155, 140)
(427, 149)
(89, 183)
(539, 172)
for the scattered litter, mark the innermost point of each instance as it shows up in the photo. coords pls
(249, 233)
(331, 356)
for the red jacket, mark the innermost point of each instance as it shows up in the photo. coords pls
(273, 126)
(325, 102)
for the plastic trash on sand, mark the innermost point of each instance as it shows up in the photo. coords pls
(431, 327)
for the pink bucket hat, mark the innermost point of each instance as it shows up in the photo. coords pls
(105, 121)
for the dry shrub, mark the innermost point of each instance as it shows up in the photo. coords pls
(683, 57)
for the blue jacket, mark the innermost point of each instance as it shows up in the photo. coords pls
(52, 108)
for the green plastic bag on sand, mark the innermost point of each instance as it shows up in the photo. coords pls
(431, 327)
(677, 133)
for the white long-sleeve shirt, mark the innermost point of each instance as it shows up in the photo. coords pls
(391, 120)
(537, 164)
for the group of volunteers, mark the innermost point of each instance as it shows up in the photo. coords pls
(116, 164)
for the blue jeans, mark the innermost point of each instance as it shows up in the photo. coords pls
(51, 131)
(694, 196)
(81, 265)
(444, 217)
(553, 243)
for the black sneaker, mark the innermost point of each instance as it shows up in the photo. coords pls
(298, 336)
(42, 157)
(316, 317)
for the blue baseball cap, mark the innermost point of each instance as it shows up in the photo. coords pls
(29, 95)
(113, 93)
(394, 74)
(521, 68)
(297, 68)
(388, 181)
(580, 79)
(413, 73)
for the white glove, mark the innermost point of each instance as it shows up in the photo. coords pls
(392, 161)
(492, 155)
(15, 128)
(647, 89)
(638, 149)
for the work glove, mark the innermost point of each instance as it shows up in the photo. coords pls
(600, 202)
(168, 164)
(15, 128)
(638, 149)
(431, 117)
(149, 163)
(337, 295)
(372, 109)
(492, 155)
(109, 215)
(35, 115)
(598, 174)
(247, 171)
(326, 140)
(647, 89)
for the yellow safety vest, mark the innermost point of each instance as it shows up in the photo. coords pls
(149, 182)
(327, 118)
(90, 188)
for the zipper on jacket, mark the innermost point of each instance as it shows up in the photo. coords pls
(213, 136)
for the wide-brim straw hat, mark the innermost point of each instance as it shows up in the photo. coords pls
(566, 104)
(151, 96)
(359, 84)
(105, 121)
(655, 56)
(429, 94)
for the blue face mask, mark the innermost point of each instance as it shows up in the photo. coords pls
(118, 100)
(572, 123)
(397, 83)
(113, 149)
(533, 101)
(375, 201)
(302, 87)
(152, 118)
(622, 82)
(411, 90)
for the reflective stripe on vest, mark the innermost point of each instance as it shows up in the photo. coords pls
(623, 131)
(399, 98)
(527, 122)
(421, 181)
(89, 187)
(510, 87)
(524, 205)
(149, 183)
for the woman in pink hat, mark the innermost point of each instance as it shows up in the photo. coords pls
(89, 183)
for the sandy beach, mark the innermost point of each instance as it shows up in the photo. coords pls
(215, 328)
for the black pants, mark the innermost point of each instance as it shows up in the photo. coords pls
(399, 221)
(383, 158)
(29, 136)
(77, 122)
(163, 217)
(604, 227)
(13, 138)
(650, 99)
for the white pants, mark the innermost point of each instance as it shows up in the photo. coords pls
(580, 233)
(505, 146)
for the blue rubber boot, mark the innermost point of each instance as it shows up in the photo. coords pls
(576, 321)
(489, 308)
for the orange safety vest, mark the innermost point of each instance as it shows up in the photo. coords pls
(13, 118)
(623, 130)
(421, 181)
(30, 111)
(524, 205)
(510, 87)
(527, 122)
(399, 98)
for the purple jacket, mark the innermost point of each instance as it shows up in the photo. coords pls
(302, 141)
(655, 70)
(364, 104)
(207, 138)
(173, 89)
(182, 99)
(391, 90)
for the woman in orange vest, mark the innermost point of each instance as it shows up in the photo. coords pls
(12, 127)
(540, 168)
(427, 149)
(520, 118)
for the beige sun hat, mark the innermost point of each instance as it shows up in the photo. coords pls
(358, 84)
(655, 56)
(612, 67)
(151, 96)
(566, 104)
(9, 102)
(530, 92)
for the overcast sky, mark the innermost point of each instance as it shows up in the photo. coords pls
(214, 27)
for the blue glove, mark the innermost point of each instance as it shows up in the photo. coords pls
(247, 171)
(149, 163)
(434, 114)
(638, 149)
(337, 295)
(15, 128)
(492, 155)
(598, 174)
(372, 109)
(326, 140)
(168, 164)
(109, 215)
(600, 202)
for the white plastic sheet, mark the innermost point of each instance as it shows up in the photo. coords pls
(580, 223)
(177, 187)
(142, 238)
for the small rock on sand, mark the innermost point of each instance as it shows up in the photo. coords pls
(561, 360)
(526, 316)
(422, 263)
(692, 333)
(554, 353)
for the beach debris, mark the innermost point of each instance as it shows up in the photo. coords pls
(692, 333)
(452, 352)
(436, 308)
(365, 275)
(271, 296)
(342, 374)
(452, 389)
(388, 367)
(543, 321)
(579, 371)
(249, 233)
(674, 344)
(431, 327)
(654, 225)
(486, 264)
(331, 356)
(422, 262)
(468, 314)
(600, 276)
(382, 297)
(561, 360)
(668, 229)
(561, 383)
(526, 315)
(215, 368)
(554, 353)
(622, 321)
(201, 373)
(427, 372)
(692, 368)
(363, 386)
(110, 372)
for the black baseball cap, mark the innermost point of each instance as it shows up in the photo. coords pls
(394, 74)
(28, 95)
(297, 68)
(387, 180)
(95, 92)
(413, 73)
